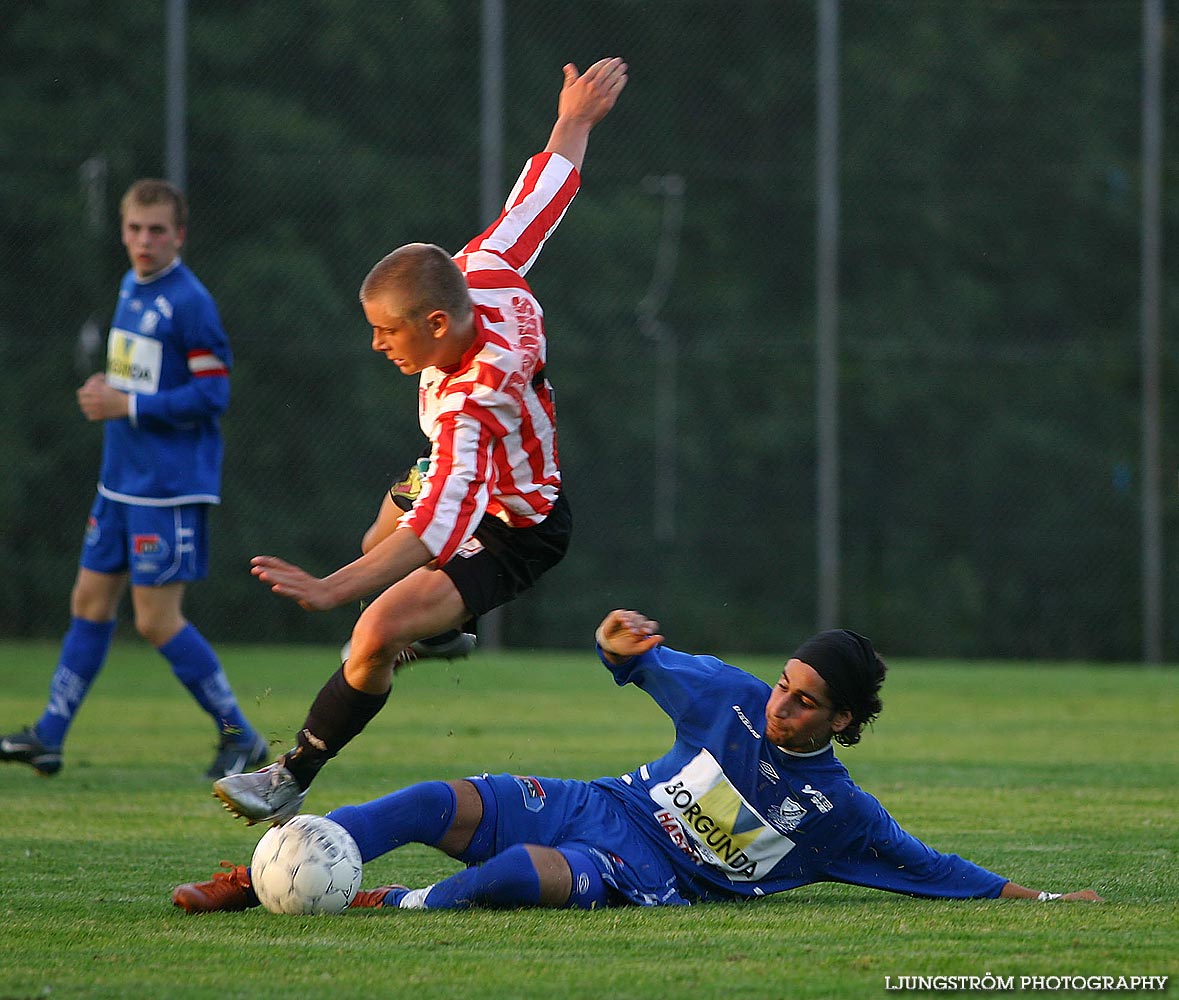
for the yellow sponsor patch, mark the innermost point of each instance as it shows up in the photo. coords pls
(725, 830)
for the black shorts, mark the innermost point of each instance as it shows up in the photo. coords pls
(508, 560)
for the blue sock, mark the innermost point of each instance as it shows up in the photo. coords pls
(420, 814)
(507, 881)
(587, 889)
(196, 667)
(83, 652)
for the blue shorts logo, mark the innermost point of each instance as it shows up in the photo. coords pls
(532, 791)
(149, 552)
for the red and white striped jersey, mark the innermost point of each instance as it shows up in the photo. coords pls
(491, 421)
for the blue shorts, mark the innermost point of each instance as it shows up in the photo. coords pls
(156, 545)
(552, 812)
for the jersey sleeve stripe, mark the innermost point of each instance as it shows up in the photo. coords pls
(491, 278)
(538, 231)
(534, 209)
(203, 363)
(447, 513)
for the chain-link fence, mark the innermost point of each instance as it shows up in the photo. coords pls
(989, 279)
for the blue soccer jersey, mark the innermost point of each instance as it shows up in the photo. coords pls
(736, 816)
(167, 349)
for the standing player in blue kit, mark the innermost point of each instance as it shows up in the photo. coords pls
(165, 386)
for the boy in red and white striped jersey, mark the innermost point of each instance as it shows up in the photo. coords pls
(491, 517)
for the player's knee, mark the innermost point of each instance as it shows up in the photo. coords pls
(373, 649)
(156, 630)
(96, 596)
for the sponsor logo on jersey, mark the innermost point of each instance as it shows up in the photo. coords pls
(133, 362)
(745, 721)
(787, 816)
(527, 323)
(675, 830)
(767, 769)
(724, 829)
(821, 802)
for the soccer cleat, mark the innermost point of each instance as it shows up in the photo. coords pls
(407, 655)
(26, 747)
(452, 645)
(449, 646)
(227, 891)
(368, 899)
(271, 794)
(233, 757)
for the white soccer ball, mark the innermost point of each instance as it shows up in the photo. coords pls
(308, 865)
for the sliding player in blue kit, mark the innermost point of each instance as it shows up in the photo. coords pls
(165, 386)
(750, 800)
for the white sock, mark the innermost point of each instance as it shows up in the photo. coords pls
(415, 899)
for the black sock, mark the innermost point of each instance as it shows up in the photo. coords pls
(338, 713)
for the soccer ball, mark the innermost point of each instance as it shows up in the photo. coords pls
(308, 865)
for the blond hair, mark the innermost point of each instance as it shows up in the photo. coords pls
(153, 191)
(425, 276)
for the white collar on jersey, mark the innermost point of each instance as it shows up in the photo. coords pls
(159, 274)
(799, 753)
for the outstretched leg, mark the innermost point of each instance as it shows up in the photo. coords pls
(425, 603)
(521, 876)
(459, 821)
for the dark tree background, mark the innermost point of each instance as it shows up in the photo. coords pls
(990, 191)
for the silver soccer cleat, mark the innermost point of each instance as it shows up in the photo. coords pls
(269, 795)
(458, 647)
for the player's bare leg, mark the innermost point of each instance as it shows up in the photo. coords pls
(423, 604)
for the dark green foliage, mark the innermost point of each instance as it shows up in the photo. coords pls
(989, 300)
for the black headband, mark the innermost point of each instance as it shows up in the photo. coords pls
(847, 663)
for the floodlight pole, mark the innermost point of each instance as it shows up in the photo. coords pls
(670, 190)
(491, 156)
(176, 98)
(827, 317)
(1152, 145)
(92, 176)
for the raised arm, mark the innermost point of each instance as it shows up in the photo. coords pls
(586, 98)
(626, 634)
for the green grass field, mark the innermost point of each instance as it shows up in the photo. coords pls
(1058, 776)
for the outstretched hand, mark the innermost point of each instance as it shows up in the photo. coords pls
(586, 98)
(589, 96)
(625, 634)
(288, 580)
(1013, 891)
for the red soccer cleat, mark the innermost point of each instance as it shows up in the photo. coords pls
(228, 891)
